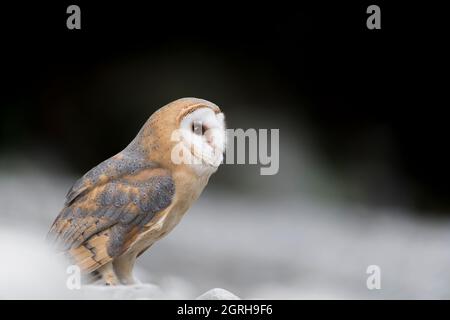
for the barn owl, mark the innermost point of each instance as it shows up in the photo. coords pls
(118, 209)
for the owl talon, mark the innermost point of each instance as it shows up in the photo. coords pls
(109, 275)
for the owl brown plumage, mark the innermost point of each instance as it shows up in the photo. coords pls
(118, 209)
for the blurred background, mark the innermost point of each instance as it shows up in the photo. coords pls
(363, 175)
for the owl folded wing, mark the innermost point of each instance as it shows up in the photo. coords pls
(108, 207)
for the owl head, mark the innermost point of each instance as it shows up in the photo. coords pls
(187, 132)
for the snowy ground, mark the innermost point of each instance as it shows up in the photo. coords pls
(258, 249)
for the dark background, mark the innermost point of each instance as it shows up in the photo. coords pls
(371, 101)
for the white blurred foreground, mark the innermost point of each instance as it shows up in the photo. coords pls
(30, 271)
(285, 248)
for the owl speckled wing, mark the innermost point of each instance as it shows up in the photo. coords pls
(107, 208)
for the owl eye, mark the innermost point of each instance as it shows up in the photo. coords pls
(198, 128)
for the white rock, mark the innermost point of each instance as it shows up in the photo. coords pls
(218, 294)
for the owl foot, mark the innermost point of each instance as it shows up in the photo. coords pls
(129, 281)
(123, 268)
(108, 275)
